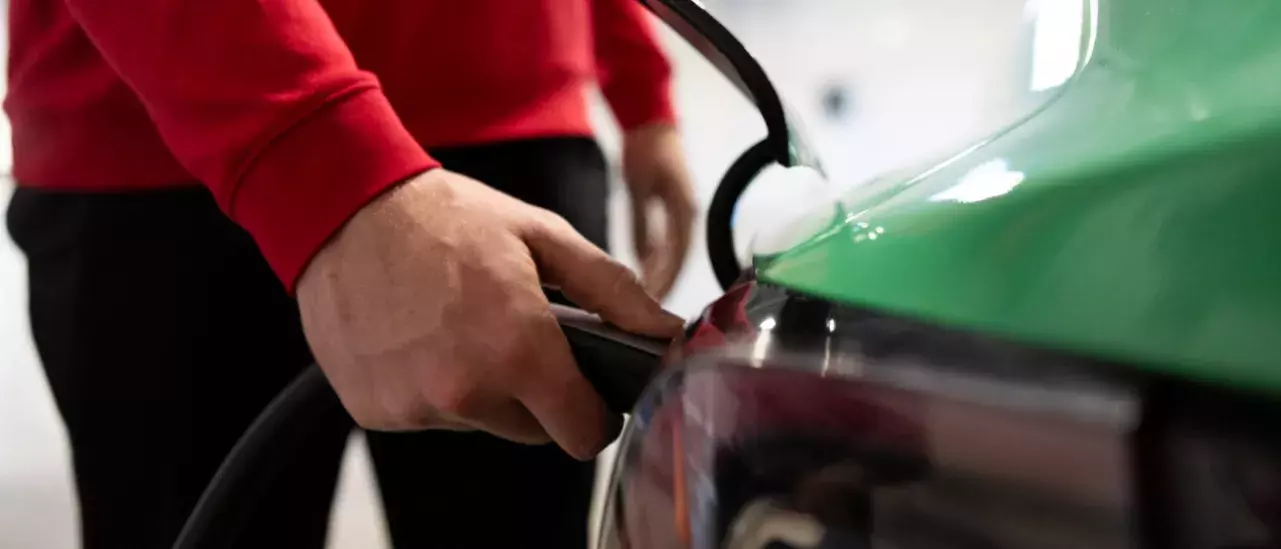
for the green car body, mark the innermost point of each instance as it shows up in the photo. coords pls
(1134, 217)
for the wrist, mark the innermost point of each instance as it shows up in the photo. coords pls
(639, 102)
(385, 216)
(650, 130)
(317, 175)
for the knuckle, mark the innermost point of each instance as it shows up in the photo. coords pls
(556, 222)
(390, 411)
(511, 356)
(544, 216)
(524, 363)
(538, 439)
(623, 279)
(366, 419)
(458, 400)
(376, 417)
(546, 224)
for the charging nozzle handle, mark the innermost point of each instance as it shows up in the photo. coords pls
(618, 364)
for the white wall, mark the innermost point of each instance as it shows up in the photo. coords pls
(926, 75)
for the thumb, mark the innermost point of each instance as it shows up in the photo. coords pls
(593, 280)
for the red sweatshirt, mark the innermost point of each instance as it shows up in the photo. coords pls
(295, 113)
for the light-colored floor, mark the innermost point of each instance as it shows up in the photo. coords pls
(902, 112)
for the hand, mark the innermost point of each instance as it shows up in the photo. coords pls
(426, 311)
(659, 184)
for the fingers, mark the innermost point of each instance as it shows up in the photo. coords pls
(664, 250)
(593, 280)
(650, 245)
(446, 406)
(514, 422)
(679, 210)
(661, 275)
(660, 268)
(562, 400)
(679, 206)
(640, 226)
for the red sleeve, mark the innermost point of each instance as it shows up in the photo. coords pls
(635, 75)
(262, 102)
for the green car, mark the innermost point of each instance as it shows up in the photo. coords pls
(1065, 335)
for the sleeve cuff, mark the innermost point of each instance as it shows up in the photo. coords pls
(314, 177)
(640, 105)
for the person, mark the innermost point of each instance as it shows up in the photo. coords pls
(211, 195)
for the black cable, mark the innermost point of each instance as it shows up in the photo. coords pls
(720, 216)
(307, 408)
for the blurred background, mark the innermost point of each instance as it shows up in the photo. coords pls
(878, 84)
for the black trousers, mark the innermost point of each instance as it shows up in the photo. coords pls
(163, 334)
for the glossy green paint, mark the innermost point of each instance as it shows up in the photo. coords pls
(1135, 217)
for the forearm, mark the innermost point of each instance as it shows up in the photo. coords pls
(633, 71)
(263, 103)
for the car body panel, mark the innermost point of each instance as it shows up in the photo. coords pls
(1136, 216)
